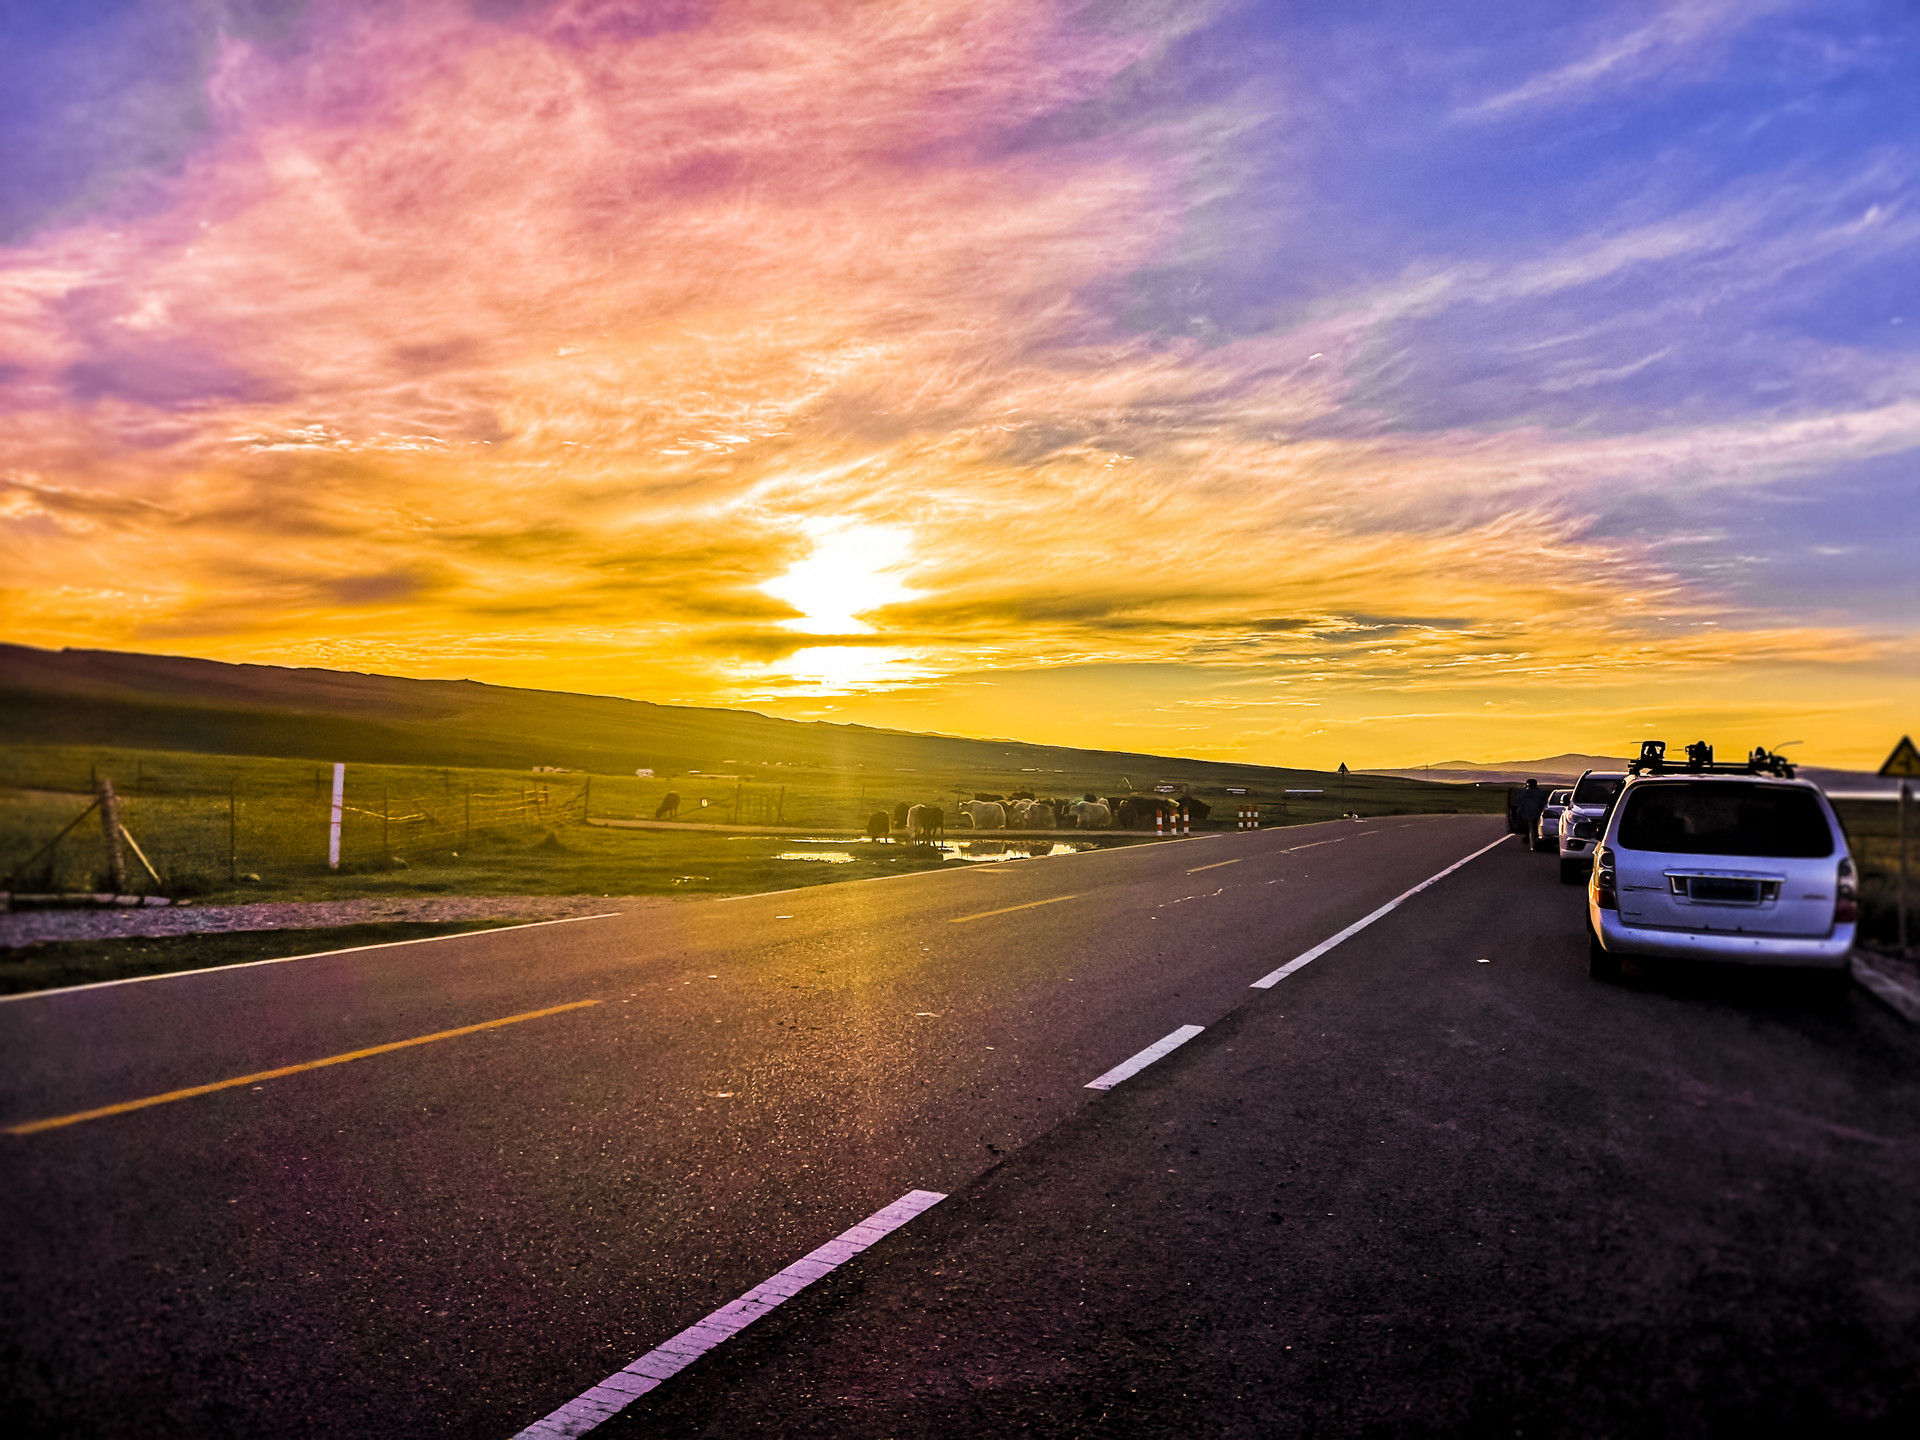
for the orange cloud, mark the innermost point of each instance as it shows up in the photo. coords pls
(557, 352)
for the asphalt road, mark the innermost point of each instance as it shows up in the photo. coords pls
(1436, 1181)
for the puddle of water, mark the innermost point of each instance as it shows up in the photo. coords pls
(831, 857)
(996, 850)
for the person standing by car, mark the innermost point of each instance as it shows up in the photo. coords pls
(1527, 807)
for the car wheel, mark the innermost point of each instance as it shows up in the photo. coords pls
(1600, 964)
(1572, 872)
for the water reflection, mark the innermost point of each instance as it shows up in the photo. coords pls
(972, 851)
(1009, 849)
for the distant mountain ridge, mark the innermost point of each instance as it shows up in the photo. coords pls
(1553, 767)
(159, 702)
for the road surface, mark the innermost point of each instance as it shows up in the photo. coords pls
(1434, 1181)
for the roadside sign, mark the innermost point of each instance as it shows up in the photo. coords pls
(1905, 760)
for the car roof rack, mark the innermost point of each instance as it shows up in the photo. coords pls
(1653, 761)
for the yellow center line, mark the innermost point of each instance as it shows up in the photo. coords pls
(962, 919)
(33, 1127)
(1214, 866)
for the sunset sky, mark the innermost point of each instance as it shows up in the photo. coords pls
(1289, 382)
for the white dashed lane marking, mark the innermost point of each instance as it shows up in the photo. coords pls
(1128, 1068)
(623, 1387)
(1267, 982)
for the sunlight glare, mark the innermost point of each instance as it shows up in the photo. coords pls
(849, 573)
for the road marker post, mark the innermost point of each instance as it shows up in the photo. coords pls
(333, 826)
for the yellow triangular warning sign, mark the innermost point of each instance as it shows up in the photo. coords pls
(1905, 760)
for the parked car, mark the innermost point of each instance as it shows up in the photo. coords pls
(1582, 819)
(1749, 868)
(1547, 833)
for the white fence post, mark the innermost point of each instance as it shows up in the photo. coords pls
(333, 829)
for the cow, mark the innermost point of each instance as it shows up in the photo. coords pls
(669, 807)
(1040, 816)
(1019, 813)
(985, 814)
(900, 816)
(926, 822)
(1197, 810)
(1090, 815)
(878, 825)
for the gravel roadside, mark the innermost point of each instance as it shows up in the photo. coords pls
(36, 927)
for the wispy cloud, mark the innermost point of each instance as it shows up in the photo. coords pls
(1676, 34)
(770, 352)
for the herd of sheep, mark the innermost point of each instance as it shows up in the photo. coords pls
(1025, 812)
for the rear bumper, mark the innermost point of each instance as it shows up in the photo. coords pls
(1829, 952)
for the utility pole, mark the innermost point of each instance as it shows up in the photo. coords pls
(467, 836)
(233, 862)
(734, 818)
(586, 800)
(386, 850)
(110, 829)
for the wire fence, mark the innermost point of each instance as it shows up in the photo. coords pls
(185, 842)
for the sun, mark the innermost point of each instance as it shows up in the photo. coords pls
(850, 572)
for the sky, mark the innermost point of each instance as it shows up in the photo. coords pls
(1292, 383)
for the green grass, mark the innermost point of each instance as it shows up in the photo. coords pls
(85, 962)
(427, 830)
(1872, 828)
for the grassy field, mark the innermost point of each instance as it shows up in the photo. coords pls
(1873, 835)
(221, 829)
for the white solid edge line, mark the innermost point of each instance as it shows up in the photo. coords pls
(613, 1394)
(1267, 982)
(285, 959)
(1126, 1069)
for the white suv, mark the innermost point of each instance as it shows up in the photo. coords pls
(1547, 832)
(1744, 868)
(1583, 819)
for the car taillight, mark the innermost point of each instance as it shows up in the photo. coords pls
(1606, 888)
(1846, 901)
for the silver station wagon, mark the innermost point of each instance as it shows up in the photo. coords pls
(1751, 868)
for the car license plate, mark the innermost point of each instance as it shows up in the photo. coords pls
(1726, 891)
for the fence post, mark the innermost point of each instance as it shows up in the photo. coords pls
(1906, 799)
(781, 818)
(466, 836)
(233, 859)
(333, 825)
(734, 818)
(110, 827)
(386, 849)
(586, 800)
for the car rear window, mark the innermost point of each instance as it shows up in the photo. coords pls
(1596, 790)
(1776, 822)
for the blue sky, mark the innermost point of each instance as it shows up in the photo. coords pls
(1477, 379)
